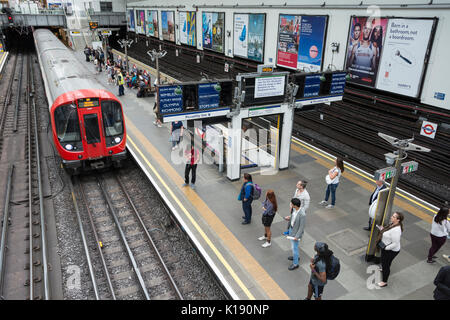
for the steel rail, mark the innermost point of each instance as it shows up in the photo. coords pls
(7, 99)
(136, 213)
(16, 109)
(30, 195)
(97, 241)
(5, 228)
(41, 200)
(123, 238)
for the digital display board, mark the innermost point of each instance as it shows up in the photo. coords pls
(312, 85)
(208, 95)
(301, 42)
(170, 99)
(319, 84)
(213, 29)
(88, 102)
(338, 81)
(249, 36)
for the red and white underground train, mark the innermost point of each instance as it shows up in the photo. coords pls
(87, 120)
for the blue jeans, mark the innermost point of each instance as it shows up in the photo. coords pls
(294, 247)
(247, 207)
(331, 188)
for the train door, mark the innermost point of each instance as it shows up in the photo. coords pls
(90, 118)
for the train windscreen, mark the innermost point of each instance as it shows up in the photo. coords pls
(91, 127)
(112, 118)
(67, 124)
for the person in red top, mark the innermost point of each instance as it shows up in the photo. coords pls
(192, 156)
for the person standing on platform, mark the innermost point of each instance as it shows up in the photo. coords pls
(120, 82)
(319, 265)
(333, 181)
(176, 132)
(192, 156)
(440, 228)
(87, 53)
(373, 202)
(270, 207)
(302, 194)
(442, 283)
(246, 196)
(157, 121)
(296, 227)
(390, 245)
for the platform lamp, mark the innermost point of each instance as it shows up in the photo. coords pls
(125, 43)
(156, 55)
(397, 157)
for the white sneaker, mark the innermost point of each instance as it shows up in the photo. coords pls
(262, 238)
(330, 206)
(266, 244)
(323, 203)
(447, 257)
(159, 125)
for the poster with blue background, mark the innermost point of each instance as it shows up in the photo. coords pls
(170, 99)
(131, 17)
(256, 36)
(311, 40)
(208, 95)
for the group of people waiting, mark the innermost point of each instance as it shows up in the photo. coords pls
(388, 240)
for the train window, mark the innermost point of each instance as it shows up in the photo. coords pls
(66, 122)
(91, 128)
(112, 118)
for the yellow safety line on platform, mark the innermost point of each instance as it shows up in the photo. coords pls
(270, 287)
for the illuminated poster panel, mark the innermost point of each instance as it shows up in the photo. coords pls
(364, 49)
(140, 21)
(168, 26)
(213, 24)
(130, 19)
(152, 23)
(301, 42)
(402, 61)
(249, 36)
(187, 28)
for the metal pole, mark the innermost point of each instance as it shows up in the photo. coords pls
(157, 69)
(126, 58)
(393, 187)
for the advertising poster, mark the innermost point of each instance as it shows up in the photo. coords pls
(131, 20)
(140, 21)
(187, 28)
(311, 39)
(241, 35)
(402, 61)
(213, 30)
(152, 23)
(256, 27)
(168, 26)
(288, 41)
(365, 48)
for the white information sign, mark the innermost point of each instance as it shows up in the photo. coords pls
(269, 86)
(428, 129)
(403, 55)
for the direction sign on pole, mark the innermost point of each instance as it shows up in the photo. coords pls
(409, 166)
(385, 173)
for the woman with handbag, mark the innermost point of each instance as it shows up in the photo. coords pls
(389, 243)
(270, 207)
(332, 180)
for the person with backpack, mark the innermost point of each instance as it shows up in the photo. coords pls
(270, 207)
(296, 227)
(324, 266)
(246, 196)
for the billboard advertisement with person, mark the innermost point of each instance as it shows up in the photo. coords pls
(152, 23)
(140, 21)
(402, 62)
(364, 49)
(213, 24)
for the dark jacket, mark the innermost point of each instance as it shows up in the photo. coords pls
(442, 283)
(370, 199)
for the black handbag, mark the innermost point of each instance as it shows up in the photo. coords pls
(381, 245)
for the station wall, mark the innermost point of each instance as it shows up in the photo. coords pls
(435, 90)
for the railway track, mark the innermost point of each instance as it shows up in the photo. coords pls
(24, 265)
(131, 265)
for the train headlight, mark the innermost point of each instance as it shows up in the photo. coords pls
(117, 139)
(69, 147)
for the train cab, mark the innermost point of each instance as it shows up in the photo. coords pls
(88, 130)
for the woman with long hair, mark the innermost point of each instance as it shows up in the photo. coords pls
(332, 183)
(440, 228)
(389, 242)
(270, 207)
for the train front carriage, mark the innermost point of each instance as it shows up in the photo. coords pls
(89, 130)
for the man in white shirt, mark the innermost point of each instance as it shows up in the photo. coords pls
(374, 197)
(302, 194)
